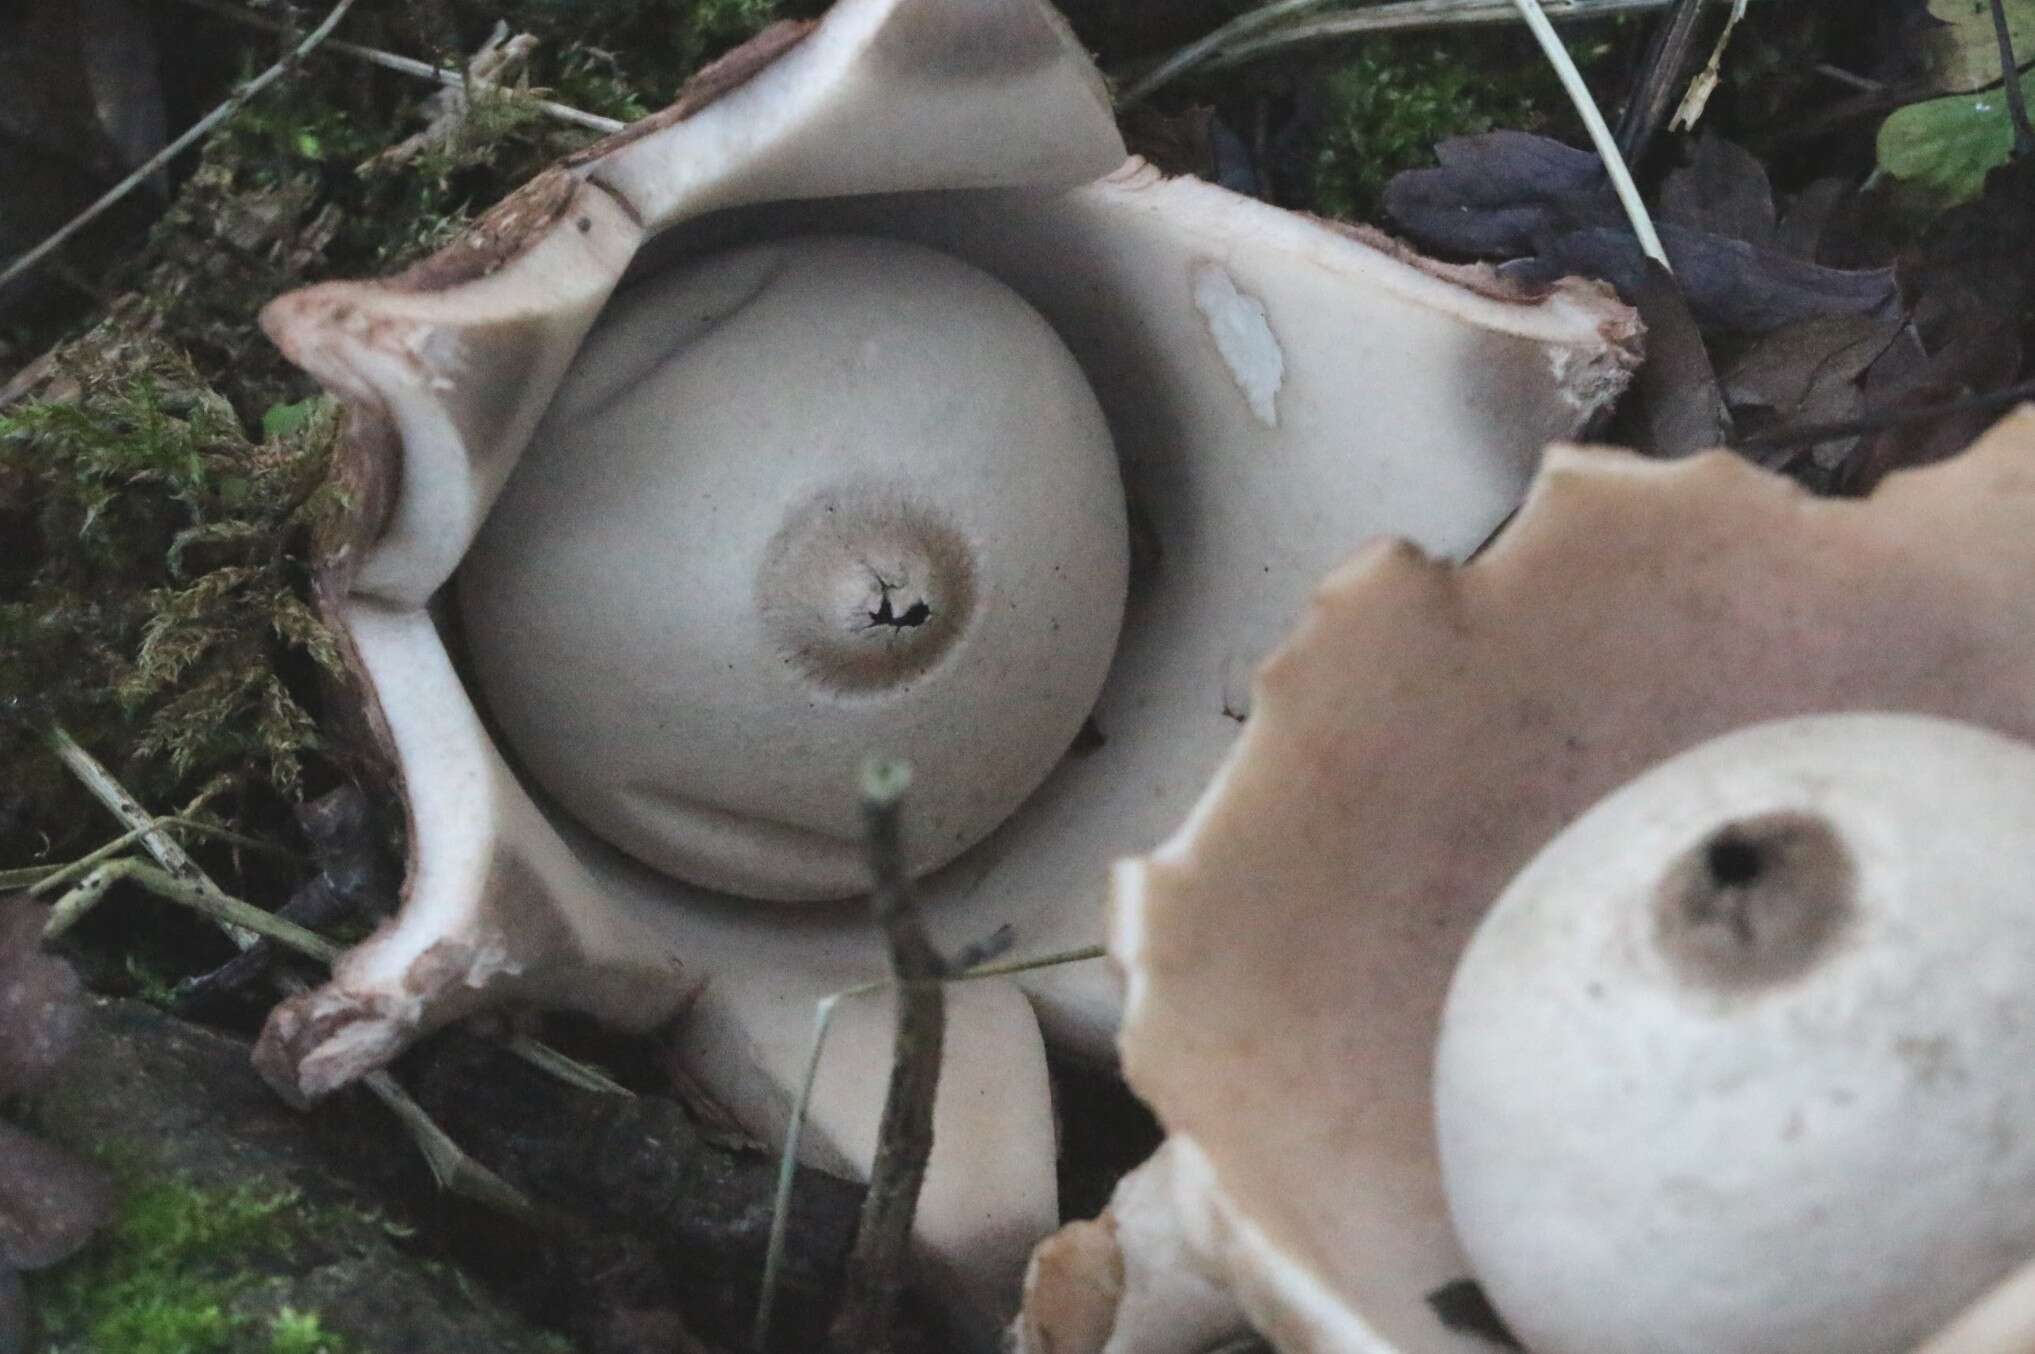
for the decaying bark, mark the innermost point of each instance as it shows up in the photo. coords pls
(647, 1184)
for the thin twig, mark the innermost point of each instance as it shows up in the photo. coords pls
(181, 880)
(233, 104)
(1667, 56)
(1600, 134)
(450, 1166)
(2010, 72)
(1073, 956)
(1201, 50)
(206, 898)
(979, 953)
(567, 1069)
(195, 890)
(42, 880)
(794, 1133)
(1808, 434)
(422, 70)
(1849, 79)
(1705, 84)
(904, 1136)
(101, 785)
(787, 1173)
(451, 109)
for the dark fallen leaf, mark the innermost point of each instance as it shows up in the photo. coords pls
(1899, 367)
(1784, 371)
(41, 1001)
(1809, 372)
(51, 1201)
(1462, 1307)
(1971, 363)
(1722, 190)
(1675, 407)
(1983, 353)
(354, 878)
(1977, 256)
(1972, 281)
(1544, 205)
(1497, 194)
(1804, 225)
(1729, 283)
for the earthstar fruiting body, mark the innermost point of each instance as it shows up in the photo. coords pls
(1425, 731)
(1278, 391)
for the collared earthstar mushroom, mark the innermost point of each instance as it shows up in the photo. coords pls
(1422, 735)
(1276, 390)
(723, 575)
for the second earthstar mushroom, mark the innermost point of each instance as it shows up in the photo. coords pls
(1423, 734)
(1277, 390)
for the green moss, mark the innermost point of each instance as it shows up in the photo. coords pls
(332, 119)
(384, 213)
(153, 598)
(647, 48)
(151, 982)
(164, 1277)
(1385, 109)
(716, 25)
(294, 1332)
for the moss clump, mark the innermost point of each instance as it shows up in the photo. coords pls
(166, 1277)
(153, 598)
(643, 49)
(328, 127)
(295, 1332)
(619, 59)
(1385, 109)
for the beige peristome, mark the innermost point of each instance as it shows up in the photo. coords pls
(1278, 393)
(1427, 730)
(1763, 1016)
